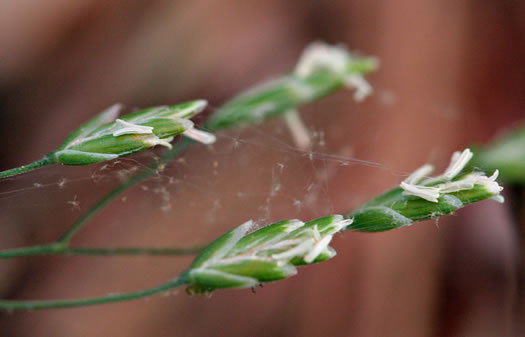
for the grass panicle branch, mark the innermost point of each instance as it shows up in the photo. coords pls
(241, 258)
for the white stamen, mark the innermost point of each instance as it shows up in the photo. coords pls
(298, 250)
(319, 55)
(317, 249)
(458, 163)
(340, 225)
(315, 233)
(419, 174)
(489, 183)
(126, 128)
(200, 136)
(299, 131)
(455, 186)
(284, 243)
(427, 193)
(362, 88)
(330, 252)
(498, 198)
(494, 175)
(154, 141)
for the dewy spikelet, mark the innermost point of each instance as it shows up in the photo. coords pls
(105, 137)
(240, 260)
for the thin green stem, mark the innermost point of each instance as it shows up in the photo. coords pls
(182, 279)
(47, 160)
(179, 148)
(68, 235)
(60, 249)
(49, 249)
(133, 251)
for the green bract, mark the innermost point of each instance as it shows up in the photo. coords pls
(421, 197)
(105, 138)
(237, 260)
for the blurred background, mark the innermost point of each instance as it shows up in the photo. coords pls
(451, 75)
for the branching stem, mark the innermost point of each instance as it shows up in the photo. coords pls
(54, 304)
(58, 249)
(179, 148)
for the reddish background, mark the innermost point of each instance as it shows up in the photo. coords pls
(455, 69)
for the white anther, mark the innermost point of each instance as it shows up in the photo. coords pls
(340, 225)
(154, 141)
(427, 193)
(320, 55)
(126, 128)
(362, 88)
(299, 250)
(317, 249)
(300, 133)
(419, 174)
(490, 183)
(200, 136)
(457, 163)
(455, 186)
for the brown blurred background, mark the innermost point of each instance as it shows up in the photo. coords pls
(451, 75)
